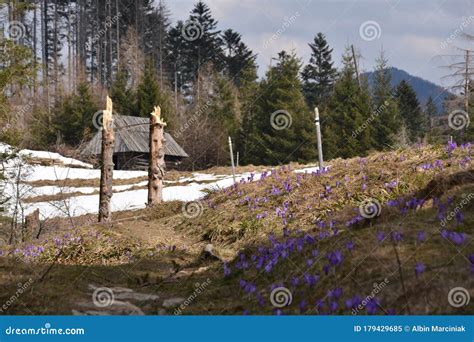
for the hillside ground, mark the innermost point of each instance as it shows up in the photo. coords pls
(387, 234)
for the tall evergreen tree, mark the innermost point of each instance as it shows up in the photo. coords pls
(176, 58)
(318, 76)
(149, 94)
(236, 55)
(73, 117)
(203, 44)
(410, 111)
(283, 124)
(346, 132)
(122, 96)
(385, 115)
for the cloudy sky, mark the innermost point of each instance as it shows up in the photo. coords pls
(414, 33)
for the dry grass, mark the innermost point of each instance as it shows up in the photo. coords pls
(231, 221)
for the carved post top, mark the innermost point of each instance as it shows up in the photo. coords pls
(157, 114)
(107, 114)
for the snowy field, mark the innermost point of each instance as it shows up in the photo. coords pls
(86, 198)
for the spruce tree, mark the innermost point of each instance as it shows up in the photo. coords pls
(410, 111)
(176, 59)
(385, 114)
(74, 116)
(203, 44)
(122, 96)
(149, 94)
(284, 129)
(236, 55)
(318, 76)
(346, 127)
(248, 95)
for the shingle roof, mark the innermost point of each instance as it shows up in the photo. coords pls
(131, 135)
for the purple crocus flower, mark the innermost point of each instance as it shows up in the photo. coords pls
(226, 270)
(319, 304)
(419, 269)
(459, 217)
(335, 293)
(250, 288)
(302, 306)
(326, 269)
(396, 236)
(372, 306)
(350, 245)
(421, 236)
(457, 238)
(295, 281)
(335, 258)
(380, 236)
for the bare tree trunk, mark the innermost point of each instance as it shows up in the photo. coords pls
(35, 84)
(156, 169)
(117, 43)
(44, 32)
(107, 164)
(467, 80)
(55, 50)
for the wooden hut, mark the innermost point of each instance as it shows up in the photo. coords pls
(132, 150)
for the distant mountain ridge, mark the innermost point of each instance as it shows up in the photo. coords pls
(423, 88)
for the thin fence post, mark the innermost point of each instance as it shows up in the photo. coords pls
(237, 159)
(156, 166)
(107, 164)
(318, 135)
(232, 158)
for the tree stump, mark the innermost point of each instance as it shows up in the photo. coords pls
(156, 169)
(107, 164)
(32, 224)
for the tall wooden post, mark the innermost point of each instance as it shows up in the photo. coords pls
(107, 164)
(156, 169)
(232, 158)
(318, 136)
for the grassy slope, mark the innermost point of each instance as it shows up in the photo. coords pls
(140, 254)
